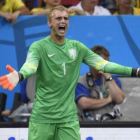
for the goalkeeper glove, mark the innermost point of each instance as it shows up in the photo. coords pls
(10, 80)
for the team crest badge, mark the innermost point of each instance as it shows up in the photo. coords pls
(72, 53)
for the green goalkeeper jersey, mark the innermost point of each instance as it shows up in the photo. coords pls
(57, 70)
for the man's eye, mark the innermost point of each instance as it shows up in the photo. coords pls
(66, 18)
(59, 18)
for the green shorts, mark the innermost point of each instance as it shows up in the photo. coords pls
(60, 131)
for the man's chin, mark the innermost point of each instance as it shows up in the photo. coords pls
(61, 35)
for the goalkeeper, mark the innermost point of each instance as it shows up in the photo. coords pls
(56, 62)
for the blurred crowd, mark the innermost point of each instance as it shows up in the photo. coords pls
(111, 5)
(108, 4)
(11, 9)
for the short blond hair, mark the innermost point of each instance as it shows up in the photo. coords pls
(59, 7)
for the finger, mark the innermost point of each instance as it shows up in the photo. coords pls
(7, 85)
(13, 21)
(3, 78)
(11, 87)
(100, 72)
(9, 19)
(9, 68)
(3, 82)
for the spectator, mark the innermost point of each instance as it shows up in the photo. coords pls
(29, 4)
(11, 9)
(125, 8)
(91, 7)
(136, 3)
(50, 4)
(108, 4)
(97, 93)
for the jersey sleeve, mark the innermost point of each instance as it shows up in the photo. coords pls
(16, 4)
(32, 61)
(81, 91)
(93, 60)
(90, 58)
(114, 68)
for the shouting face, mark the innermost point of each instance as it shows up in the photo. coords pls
(59, 23)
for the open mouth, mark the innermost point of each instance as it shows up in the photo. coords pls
(61, 29)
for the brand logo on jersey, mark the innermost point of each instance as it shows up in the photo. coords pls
(72, 53)
(50, 55)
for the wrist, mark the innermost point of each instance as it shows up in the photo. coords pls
(109, 100)
(138, 72)
(21, 78)
(135, 72)
(18, 13)
(75, 10)
(109, 79)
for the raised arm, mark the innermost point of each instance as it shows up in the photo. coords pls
(21, 11)
(97, 62)
(76, 11)
(29, 68)
(40, 12)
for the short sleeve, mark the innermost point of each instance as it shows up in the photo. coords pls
(81, 91)
(32, 61)
(16, 4)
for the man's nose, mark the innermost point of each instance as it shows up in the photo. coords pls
(63, 20)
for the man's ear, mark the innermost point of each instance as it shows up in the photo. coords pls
(49, 24)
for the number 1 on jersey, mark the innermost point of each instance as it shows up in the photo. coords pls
(64, 67)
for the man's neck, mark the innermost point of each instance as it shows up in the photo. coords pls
(57, 39)
(87, 9)
(125, 11)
